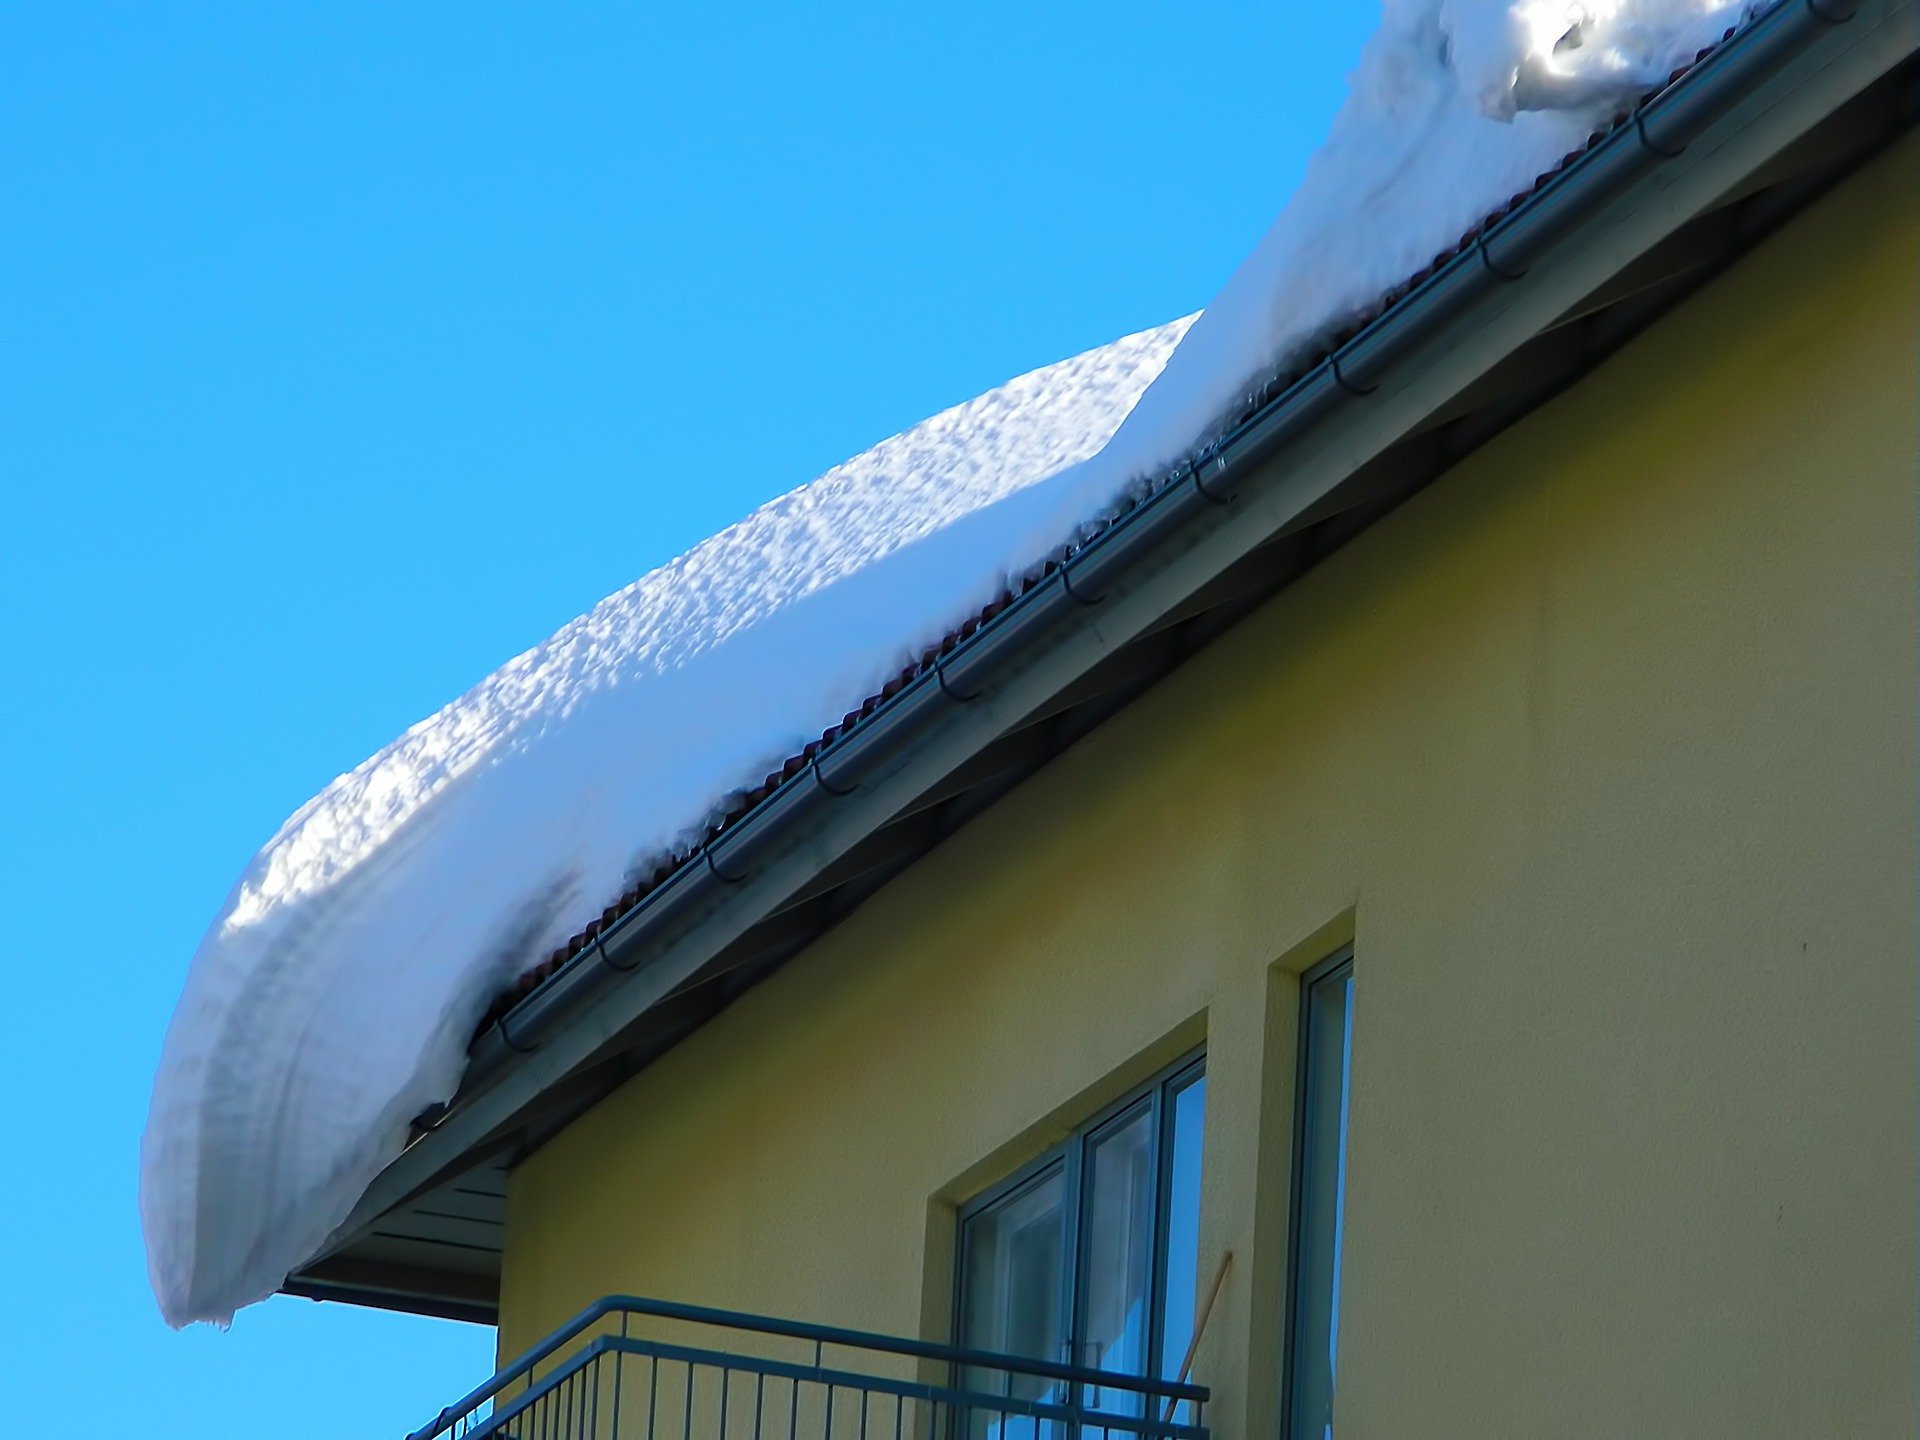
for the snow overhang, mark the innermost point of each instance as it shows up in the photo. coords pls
(1646, 215)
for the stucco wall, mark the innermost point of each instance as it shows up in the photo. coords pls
(1602, 750)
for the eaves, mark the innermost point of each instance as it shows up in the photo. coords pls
(1525, 305)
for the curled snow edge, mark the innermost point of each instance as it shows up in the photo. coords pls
(333, 998)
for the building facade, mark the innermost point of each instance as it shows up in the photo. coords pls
(1476, 990)
(1598, 759)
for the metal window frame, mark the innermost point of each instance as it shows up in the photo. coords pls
(1192, 1071)
(1156, 1095)
(1337, 966)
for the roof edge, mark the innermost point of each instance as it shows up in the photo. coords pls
(1748, 99)
(1498, 252)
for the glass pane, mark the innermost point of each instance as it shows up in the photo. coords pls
(1321, 1197)
(1118, 1250)
(1189, 1107)
(1011, 1297)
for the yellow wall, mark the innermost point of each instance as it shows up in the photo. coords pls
(1603, 750)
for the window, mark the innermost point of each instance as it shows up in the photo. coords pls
(1090, 1254)
(1319, 1197)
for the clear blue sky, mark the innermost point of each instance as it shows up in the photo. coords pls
(347, 350)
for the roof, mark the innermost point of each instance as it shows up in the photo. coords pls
(711, 919)
(1271, 392)
(745, 803)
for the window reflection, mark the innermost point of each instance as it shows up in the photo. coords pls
(1183, 1225)
(1118, 1253)
(1326, 1074)
(1091, 1258)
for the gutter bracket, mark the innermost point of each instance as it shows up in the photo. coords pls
(600, 949)
(940, 677)
(1647, 142)
(1212, 457)
(821, 780)
(1333, 365)
(506, 1039)
(1066, 580)
(722, 876)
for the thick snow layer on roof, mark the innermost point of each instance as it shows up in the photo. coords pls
(333, 997)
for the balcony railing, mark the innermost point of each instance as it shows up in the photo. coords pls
(652, 1370)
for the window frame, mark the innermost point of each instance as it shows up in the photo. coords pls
(1336, 967)
(1157, 1095)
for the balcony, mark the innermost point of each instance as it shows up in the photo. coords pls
(652, 1370)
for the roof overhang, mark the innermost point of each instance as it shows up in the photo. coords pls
(1766, 124)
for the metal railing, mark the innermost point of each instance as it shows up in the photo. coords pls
(654, 1370)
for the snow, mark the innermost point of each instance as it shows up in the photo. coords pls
(333, 997)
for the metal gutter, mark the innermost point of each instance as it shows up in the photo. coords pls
(1658, 132)
(1066, 620)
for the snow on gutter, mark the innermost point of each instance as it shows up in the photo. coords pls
(993, 655)
(649, 952)
(1214, 477)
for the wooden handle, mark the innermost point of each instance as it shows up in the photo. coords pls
(1199, 1329)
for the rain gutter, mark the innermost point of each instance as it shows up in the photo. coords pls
(1657, 132)
(1192, 521)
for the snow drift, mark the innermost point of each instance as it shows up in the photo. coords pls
(333, 997)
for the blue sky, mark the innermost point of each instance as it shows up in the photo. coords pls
(347, 350)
